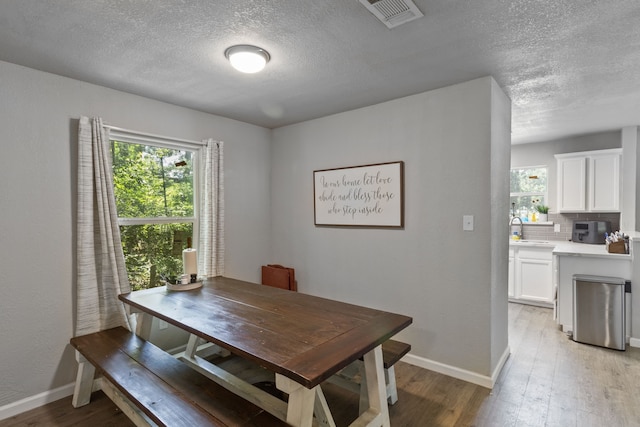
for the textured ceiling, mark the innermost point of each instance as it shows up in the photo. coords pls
(570, 67)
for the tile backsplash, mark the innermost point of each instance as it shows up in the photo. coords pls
(545, 232)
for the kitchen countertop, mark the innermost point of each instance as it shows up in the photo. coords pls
(583, 249)
(561, 247)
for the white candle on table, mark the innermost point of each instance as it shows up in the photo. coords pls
(190, 261)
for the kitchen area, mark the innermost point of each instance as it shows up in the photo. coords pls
(559, 259)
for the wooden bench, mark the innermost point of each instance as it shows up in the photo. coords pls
(153, 388)
(352, 377)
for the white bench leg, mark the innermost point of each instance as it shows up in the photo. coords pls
(84, 382)
(392, 390)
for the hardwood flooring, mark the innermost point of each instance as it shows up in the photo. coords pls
(549, 380)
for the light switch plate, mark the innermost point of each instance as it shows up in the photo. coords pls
(467, 222)
(556, 228)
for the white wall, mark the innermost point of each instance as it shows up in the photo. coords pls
(450, 281)
(431, 270)
(630, 136)
(38, 128)
(500, 161)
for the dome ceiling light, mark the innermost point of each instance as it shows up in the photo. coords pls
(246, 58)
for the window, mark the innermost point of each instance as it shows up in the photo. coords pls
(155, 193)
(528, 184)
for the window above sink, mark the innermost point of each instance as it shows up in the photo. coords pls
(528, 188)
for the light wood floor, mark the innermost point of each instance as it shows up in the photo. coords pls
(549, 380)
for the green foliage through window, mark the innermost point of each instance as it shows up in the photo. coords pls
(152, 182)
(155, 201)
(527, 184)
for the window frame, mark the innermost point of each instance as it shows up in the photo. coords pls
(196, 148)
(543, 195)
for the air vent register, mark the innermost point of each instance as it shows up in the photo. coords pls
(393, 12)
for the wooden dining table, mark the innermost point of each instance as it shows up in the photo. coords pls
(303, 339)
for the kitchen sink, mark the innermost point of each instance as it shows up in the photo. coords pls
(531, 242)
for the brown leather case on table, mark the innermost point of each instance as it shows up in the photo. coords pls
(279, 276)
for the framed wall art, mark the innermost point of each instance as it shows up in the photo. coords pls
(360, 196)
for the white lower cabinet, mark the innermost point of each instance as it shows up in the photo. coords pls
(512, 273)
(535, 279)
(531, 275)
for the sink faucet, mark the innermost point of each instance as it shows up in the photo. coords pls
(512, 223)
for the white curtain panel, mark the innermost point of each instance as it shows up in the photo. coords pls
(101, 271)
(211, 237)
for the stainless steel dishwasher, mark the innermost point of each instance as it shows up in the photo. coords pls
(599, 311)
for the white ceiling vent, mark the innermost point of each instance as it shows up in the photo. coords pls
(393, 12)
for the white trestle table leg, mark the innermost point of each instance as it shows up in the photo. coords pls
(321, 410)
(364, 394)
(301, 401)
(377, 413)
(192, 346)
(143, 325)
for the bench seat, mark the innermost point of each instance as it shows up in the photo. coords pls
(165, 390)
(392, 351)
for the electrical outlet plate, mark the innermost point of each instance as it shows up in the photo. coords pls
(556, 228)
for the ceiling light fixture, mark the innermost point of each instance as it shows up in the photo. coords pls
(246, 58)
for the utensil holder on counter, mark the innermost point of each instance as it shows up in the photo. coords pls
(616, 247)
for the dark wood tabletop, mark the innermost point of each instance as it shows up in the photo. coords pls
(303, 337)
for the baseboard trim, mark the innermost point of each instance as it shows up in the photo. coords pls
(634, 342)
(33, 402)
(461, 374)
(500, 365)
(542, 304)
(49, 396)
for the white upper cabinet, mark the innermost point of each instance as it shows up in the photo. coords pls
(604, 182)
(572, 184)
(589, 181)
